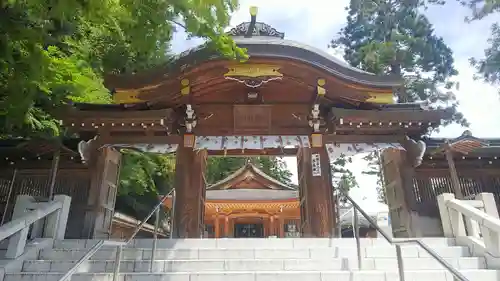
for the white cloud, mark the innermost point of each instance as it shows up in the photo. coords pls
(316, 22)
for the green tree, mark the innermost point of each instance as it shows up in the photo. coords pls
(374, 168)
(481, 8)
(343, 179)
(488, 67)
(275, 167)
(219, 168)
(394, 37)
(58, 51)
(144, 177)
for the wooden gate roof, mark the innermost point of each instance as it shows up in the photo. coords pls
(277, 88)
(249, 172)
(297, 65)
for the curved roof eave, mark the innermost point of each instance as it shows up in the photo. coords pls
(280, 48)
(245, 195)
(241, 170)
(271, 48)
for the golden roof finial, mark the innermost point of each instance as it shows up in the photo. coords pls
(253, 11)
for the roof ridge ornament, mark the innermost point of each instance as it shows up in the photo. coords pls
(260, 29)
(254, 28)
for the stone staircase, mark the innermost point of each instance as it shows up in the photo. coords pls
(300, 259)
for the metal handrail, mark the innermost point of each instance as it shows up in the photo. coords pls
(120, 244)
(397, 243)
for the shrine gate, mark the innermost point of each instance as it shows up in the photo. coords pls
(287, 99)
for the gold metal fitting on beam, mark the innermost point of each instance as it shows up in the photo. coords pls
(185, 87)
(321, 91)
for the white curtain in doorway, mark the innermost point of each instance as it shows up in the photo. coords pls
(261, 142)
(152, 148)
(336, 150)
(250, 142)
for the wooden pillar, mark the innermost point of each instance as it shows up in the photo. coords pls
(231, 226)
(271, 226)
(104, 172)
(453, 172)
(216, 226)
(189, 192)
(226, 226)
(281, 224)
(316, 193)
(398, 175)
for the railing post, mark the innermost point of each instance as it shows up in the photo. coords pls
(401, 267)
(490, 206)
(491, 238)
(445, 214)
(155, 240)
(118, 259)
(55, 225)
(17, 242)
(355, 229)
(457, 223)
(172, 216)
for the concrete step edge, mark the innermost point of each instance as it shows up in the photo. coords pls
(257, 259)
(261, 272)
(255, 249)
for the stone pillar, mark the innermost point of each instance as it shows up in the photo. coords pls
(444, 213)
(189, 188)
(53, 225)
(17, 242)
(104, 166)
(316, 193)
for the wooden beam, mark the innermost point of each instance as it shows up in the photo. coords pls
(39, 164)
(177, 139)
(172, 139)
(393, 115)
(255, 152)
(107, 114)
(363, 138)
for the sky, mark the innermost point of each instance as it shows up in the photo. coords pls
(316, 22)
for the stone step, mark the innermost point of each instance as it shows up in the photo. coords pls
(253, 265)
(257, 243)
(434, 275)
(204, 254)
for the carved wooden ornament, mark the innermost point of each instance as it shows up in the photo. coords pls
(253, 75)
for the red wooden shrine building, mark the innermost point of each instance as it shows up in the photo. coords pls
(249, 203)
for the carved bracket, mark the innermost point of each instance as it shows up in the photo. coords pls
(314, 118)
(85, 149)
(415, 151)
(190, 119)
